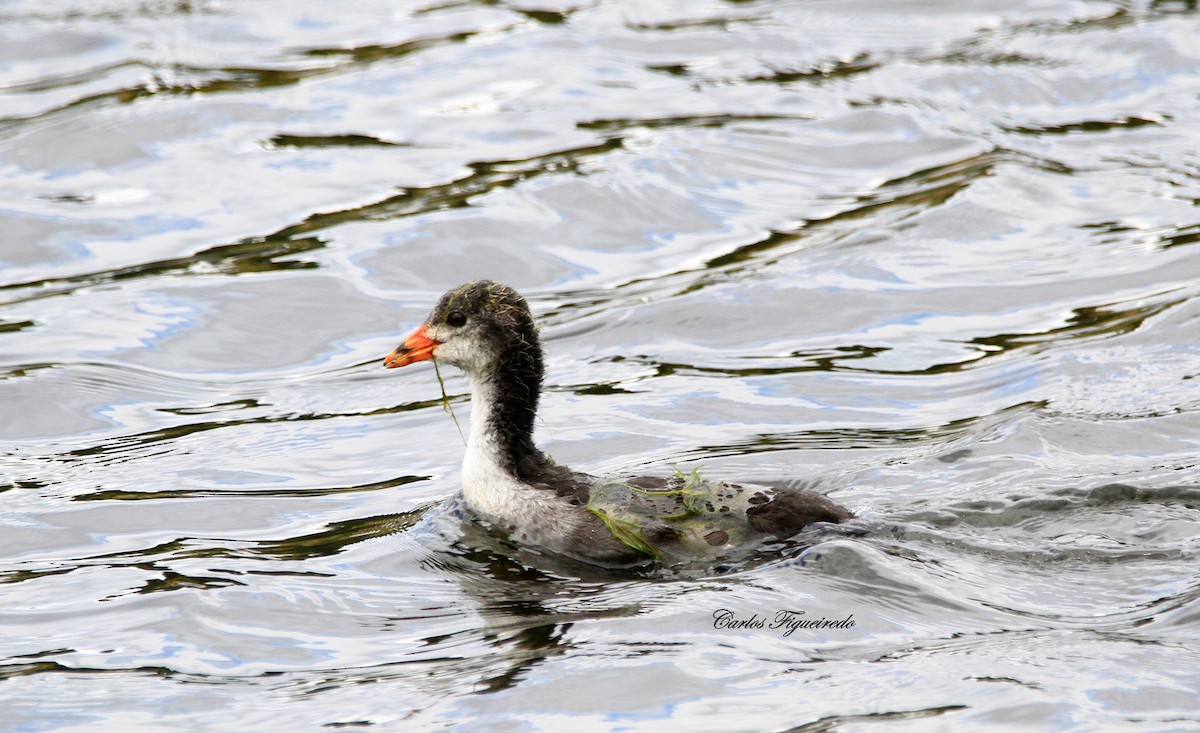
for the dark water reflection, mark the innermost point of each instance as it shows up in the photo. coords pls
(938, 259)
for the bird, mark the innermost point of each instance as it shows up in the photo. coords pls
(487, 330)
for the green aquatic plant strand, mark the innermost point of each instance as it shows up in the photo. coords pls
(628, 532)
(688, 499)
(446, 401)
(693, 499)
(616, 504)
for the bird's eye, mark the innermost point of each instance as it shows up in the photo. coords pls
(456, 319)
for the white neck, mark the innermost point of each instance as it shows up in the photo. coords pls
(483, 445)
(488, 486)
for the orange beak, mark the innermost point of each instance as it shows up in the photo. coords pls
(417, 347)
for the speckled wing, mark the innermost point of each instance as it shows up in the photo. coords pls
(684, 519)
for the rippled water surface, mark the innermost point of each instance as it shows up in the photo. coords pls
(938, 258)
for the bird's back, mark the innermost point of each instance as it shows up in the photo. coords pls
(685, 518)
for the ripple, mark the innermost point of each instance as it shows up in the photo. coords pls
(938, 261)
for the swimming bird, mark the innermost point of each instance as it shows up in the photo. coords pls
(487, 330)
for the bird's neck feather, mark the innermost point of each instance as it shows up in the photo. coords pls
(503, 406)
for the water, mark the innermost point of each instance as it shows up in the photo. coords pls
(938, 258)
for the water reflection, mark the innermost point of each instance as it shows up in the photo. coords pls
(934, 259)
